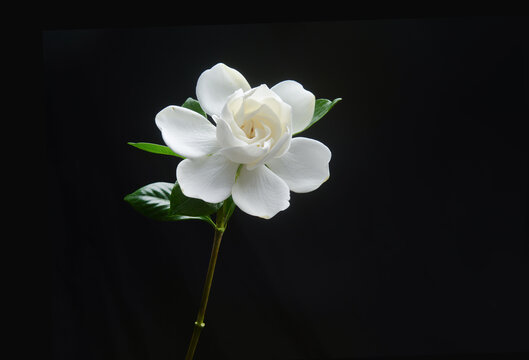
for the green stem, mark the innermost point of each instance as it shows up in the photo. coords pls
(221, 221)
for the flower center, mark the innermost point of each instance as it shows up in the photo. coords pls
(249, 129)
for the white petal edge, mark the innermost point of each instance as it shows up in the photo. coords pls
(215, 85)
(302, 102)
(186, 132)
(209, 178)
(260, 192)
(279, 148)
(225, 134)
(305, 166)
(245, 154)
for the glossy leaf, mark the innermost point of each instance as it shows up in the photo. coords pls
(183, 205)
(154, 202)
(194, 105)
(321, 107)
(155, 148)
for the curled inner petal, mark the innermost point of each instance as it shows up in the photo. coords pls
(253, 125)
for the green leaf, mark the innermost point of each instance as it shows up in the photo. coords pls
(230, 207)
(183, 205)
(321, 107)
(155, 148)
(194, 105)
(154, 202)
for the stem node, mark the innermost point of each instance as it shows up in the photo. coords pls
(222, 218)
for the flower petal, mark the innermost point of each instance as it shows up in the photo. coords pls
(226, 133)
(260, 192)
(215, 85)
(305, 166)
(302, 102)
(245, 154)
(209, 178)
(186, 132)
(279, 149)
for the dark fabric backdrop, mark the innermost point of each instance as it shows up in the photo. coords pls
(416, 245)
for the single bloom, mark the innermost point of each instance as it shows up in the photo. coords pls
(250, 154)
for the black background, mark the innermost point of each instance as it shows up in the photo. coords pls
(416, 245)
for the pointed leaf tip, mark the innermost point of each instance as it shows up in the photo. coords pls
(321, 107)
(194, 105)
(155, 148)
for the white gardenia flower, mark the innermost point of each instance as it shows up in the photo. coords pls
(250, 154)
